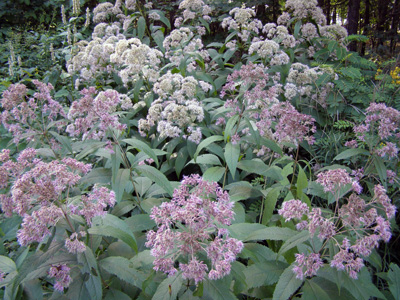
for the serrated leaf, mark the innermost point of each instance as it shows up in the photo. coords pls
(116, 295)
(218, 289)
(142, 146)
(206, 142)
(253, 232)
(269, 204)
(313, 291)
(362, 288)
(98, 175)
(242, 192)
(287, 285)
(7, 265)
(140, 222)
(350, 153)
(123, 269)
(294, 241)
(169, 288)
(121, 180)
(394, 280)
(229, 126)
(231, 154)
(214, 174)
(301, 184)
(259, 253)
(141, 25)
(156, 176)
(266, 273)
(93, 283)
(206, 159)
(381, 169)
(112, 226)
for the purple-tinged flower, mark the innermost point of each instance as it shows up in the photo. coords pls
(293, 209)
(382, 198)
(334, 180)
(74, 245)
(351, 144)
(61, 274)
(389, 149)
(345, 260)
(307, 266)
(191, 223)
(316, 221)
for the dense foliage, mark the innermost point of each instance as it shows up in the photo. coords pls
(145, 157)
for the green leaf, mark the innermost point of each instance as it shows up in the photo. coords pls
(138, 223)
(214, 174)
(93, 283)
(381, 169)
(351, 72)
(266, 273)
(231, 154)
(116, 295)
(302, 183)
(98, 175)
(294, 241)
(287, 285)
(142, 146)
(123, 269)
(155, 175)
(218, 289)
(259, 253)
(206, 159)
(243, 192)
(229, 126)
(253, 232)
(169, 288)
(269, 204)
(7, 265)
(121, 180)
(110, 225)
(180, 160)
(394, 280)
(350, 153)
(313, 291)
(362, 288)
(63, 140)
(206, 142)
(141, 25)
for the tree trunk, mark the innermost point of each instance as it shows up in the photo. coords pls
(395, 26)
(353, 15)
(334, 13)
(366, 23)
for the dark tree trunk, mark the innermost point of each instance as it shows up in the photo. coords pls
(334, 13)
(366, 23)
(395, 26)
(381, 25)
(276, 10)
(327, 11)
(353, 16)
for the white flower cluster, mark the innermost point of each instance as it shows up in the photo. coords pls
(114, 53)
(194, 8)
(301, 81)
(302, 9)
(334, 32)
(265, 49)
(180, 43)
(279, 34)
(137, 58)
(106, 10)
(243, 22)
(177, 110)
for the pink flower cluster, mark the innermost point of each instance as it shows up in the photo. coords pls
(37, 193)
(274, 120)
(61, 275)
(356, 216)
(384, 122)
(22, 117)
(190, 224)
(334, 180)
(93, 116)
